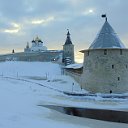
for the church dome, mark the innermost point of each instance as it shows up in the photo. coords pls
(107, 38)
(33, 40)
(37, 39)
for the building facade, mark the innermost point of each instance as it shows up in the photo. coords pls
(105, 67)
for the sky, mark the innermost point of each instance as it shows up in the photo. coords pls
(22, 20)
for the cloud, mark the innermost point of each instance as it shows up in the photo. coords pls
(43, 21)
(11, 30)
(38, 21)
(15, 25)
(15, 28)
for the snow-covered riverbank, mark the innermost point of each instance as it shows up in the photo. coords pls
(21, 96)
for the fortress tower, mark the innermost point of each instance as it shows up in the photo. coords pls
(68, 51)
(105, 67)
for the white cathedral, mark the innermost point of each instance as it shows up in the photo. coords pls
(37, 45)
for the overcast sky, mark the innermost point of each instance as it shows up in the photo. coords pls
(23, 20)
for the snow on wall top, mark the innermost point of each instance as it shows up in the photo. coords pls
(74, 66)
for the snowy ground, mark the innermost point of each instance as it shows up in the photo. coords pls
(21, 93)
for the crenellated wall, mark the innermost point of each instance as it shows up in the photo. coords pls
(69, 52)
(74, 75)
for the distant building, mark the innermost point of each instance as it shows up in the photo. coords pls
(38, 52)
(105, 67)
(37, 45)
(68, 51)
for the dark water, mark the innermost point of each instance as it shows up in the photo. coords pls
(99, 114)
(118, 96)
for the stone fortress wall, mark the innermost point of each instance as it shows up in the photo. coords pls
(69, 52)
(77, 77)
(45, 56)
(105, 70)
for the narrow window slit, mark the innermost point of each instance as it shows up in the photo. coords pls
(110, 91)
(112, 66)
(121, 52)
(105, 52)
(88, 52)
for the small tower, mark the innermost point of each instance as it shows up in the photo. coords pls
(27, 46)
(68, 51)
(13, 51)
(27, 49)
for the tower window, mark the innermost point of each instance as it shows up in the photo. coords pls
(118, 78)
(126, 66)
(110, 91)
(121, 52)
(88, 52)
(105, 52)
(112, 66)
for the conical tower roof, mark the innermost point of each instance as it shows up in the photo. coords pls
(107, 38)
(68, 40)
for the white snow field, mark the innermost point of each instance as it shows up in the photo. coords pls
(21, 94)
